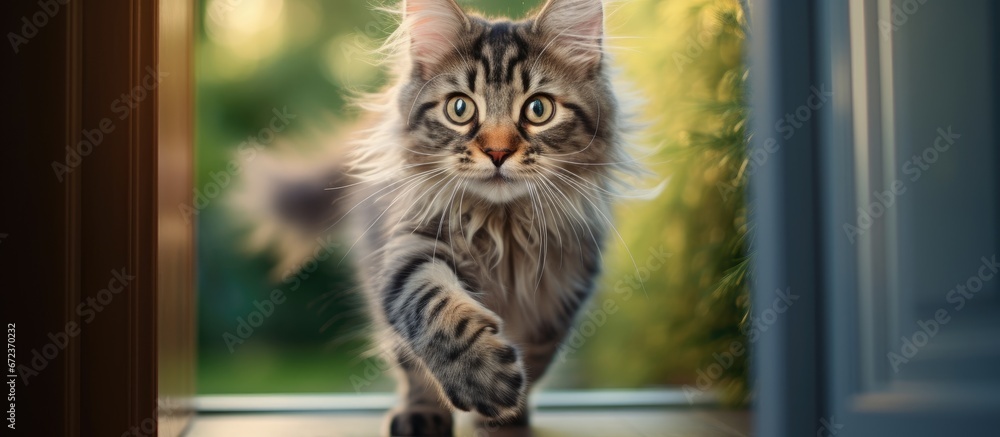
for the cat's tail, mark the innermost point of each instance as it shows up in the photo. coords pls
(293, 204)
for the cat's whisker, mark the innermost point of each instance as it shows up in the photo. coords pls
(379, 199)
(544, 190)
(599, 164)
(403, 181)
(345, 337)
(591, 185)
(414, 185)
(336, 318)
(619, 49)
(583, 218)
(540, 267)
(545, 238)
(562, 219)
(626, 194)
(467, 238)
(607, 220)
(406, 212)
(574, 221)
(372, 181)
(620, 195)
(443, 210)
(410, 187)
(324, 300)
(377, 219)
(421, 216)
(330, 301)
(554, 213)
(437, 155)
(451, 215)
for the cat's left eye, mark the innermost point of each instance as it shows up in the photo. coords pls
(539, 109)
(460, 109)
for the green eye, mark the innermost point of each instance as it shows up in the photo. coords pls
(539, 109)
(460, 109)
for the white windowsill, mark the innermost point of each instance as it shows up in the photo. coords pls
(348, 402)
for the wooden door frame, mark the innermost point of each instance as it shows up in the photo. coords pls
(113, 80)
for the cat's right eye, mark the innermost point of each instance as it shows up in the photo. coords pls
(460, 109)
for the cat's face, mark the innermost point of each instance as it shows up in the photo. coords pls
(504, 108)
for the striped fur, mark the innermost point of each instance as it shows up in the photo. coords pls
(474, 266)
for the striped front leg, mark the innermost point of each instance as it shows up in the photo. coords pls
(428, 303)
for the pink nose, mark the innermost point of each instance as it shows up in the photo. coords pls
(498, 156)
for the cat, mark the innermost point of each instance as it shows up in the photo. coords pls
(481, 192)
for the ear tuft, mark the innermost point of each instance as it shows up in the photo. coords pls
(578, 25)
(433, 26)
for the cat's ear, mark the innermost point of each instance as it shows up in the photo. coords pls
(577, 26)
(433, 26)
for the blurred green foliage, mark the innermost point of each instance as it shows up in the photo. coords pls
(308, 56)
(254, 56)
(686, 315)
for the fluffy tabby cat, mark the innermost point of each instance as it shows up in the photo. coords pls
(481, 197)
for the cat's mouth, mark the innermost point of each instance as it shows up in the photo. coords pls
(499, 178)
(495, 177)
(499, 186)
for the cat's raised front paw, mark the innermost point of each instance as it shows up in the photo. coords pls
(490, 380)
